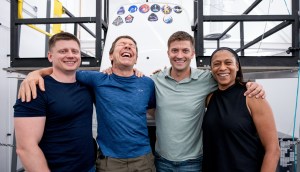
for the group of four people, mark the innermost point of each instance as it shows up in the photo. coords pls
(54, 130)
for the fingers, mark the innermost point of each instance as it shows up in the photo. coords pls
(254, 92)
(138, 73)
(250, 89)
(257, 93)
(254, 89)
(156, 71)
(261, 94)
(107, 71)
(41, 84)
(21, 93)
(247, 93)
(31, 90)
(27, 91)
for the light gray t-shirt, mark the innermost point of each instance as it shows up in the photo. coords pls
(180, 107)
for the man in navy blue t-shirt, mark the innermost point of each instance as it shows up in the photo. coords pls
(54, 131)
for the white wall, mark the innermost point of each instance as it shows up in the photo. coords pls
(7, 89)
(281, 94)
(4, 104)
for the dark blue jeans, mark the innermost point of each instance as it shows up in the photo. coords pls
(164, 165)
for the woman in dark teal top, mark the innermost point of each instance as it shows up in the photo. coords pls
(239, 133)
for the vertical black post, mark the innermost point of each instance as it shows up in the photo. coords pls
(295, 27)
(195, 22)
(106, 15)
(107, 20)
(105, 11)
(14, 32)
(242, 37)
(14, 157)
(199, 35)
(98, 32)
(48, 15)
(296, 44)
(218, 43)
(75, 29)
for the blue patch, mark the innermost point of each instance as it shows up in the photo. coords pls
(168, 19)
(132, 8)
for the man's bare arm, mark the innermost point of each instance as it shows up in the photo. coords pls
(29, 131)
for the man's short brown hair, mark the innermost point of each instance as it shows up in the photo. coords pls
(62, 36)
(181, 36)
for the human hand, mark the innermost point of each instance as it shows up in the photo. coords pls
(255, 89)
(138, 73)
(107, 71)
(28, 86)
(156, 71)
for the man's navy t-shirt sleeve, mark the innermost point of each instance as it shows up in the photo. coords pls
(34, 108)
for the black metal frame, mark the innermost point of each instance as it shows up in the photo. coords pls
(249, 61)
(89, 61)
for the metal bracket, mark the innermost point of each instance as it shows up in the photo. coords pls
(292, 49)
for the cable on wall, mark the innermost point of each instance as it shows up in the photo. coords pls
(287, 8)
(5, 27)
(263, 35)
(295, 116)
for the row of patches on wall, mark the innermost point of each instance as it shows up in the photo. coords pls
(145, 8)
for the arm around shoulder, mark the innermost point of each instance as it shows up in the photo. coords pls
(45, 71)
(28, 86)
(89, 77)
